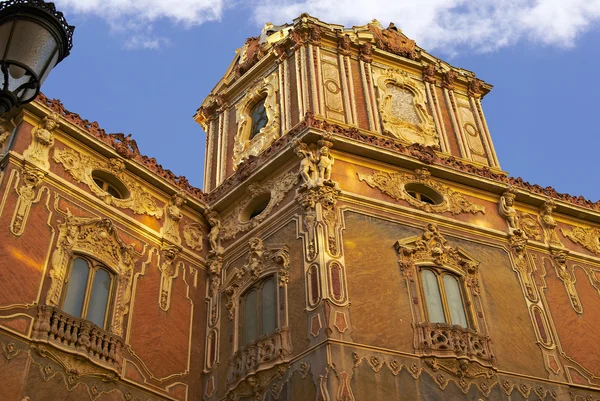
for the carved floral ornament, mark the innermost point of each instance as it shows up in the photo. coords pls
(276, 188)
(394, 185)
(589, 237)
(81, 167)
(244, 146)
(403, 108)
(98, 238)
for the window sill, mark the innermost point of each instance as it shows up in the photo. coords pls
(440, 339)
(77, 336)
(263, 354)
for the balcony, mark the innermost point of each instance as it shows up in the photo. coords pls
(77, 336)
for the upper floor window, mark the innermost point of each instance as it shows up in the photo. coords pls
(258, 114)
(110, 184)
(443, 297)
(88, 290)
(258, 312)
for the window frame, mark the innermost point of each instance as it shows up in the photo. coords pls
(258, 287)
(93, 266)
(439, 273)
(262, 101)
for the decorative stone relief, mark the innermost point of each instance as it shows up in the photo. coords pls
(522, 265)
(403, 109)
(6, 128)
(432, 249)
(173, 216)
(214, 236)
(589, 237)
(168, 271)
(316, 163)
(261, 261)
(96, 237)
(529, 225)
(507, 210)
(81, 167)
(192, 233)
(277, 188)
(334, 101)
(549, 224)
(472, 134)
(27, 196)
(566, 274)
(393, 185)
(42, 140)
(244, 146)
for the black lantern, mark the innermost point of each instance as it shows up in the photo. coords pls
(34, 37)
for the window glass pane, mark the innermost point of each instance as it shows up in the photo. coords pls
(99, 298)
(432, 297)
(250, 328)
(457, 309)
(268, 307)
(76, 287)
(259, 118)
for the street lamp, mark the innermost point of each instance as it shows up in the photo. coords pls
(34, 37)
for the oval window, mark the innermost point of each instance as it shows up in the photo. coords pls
(256, 207)
(424, 194)
(110, 184)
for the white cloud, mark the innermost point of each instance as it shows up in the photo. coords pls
(444, 25)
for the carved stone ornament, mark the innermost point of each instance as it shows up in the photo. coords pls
(394, 185)
(244, 146)
(173, 216)
(566, 274)
(548, 223)
(42, 141)
(589, 237)
(530, 226)
(276, 187)
(403, 109)
(6, 128)
(81, 167)
(27, 196)
(316, 164)
(518, 244)
(394, 41)
(192, 233)
(168, 271)
(260, 262)
(432, 249)
(98, 238)
(507, 210)
(214, 235)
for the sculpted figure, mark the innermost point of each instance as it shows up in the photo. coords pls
(213, 235)
(174, 215)
(325, 163)
(307, 163)
(546, 213)
(508, 211)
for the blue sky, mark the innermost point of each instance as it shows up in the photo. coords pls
(143, 68)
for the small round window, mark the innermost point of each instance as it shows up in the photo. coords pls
(256, 207)
(424, 194)
(110, 184)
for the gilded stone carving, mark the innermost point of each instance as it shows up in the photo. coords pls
(260, 261)
(173, 216)
(518, 244)
(6, 128)
(316, 163)
(332, 88)
(42, 140)
(168, 270)
(27, 196)
(529, 224)
(403, 108)
(507, 210)
(589, 237)
(96, 237)
(566, 274)
(393, 41)
(394, 185)
(464, 370)
(81, 167)
(548, 223)
(214, 235)
(192, 234)
(244, 146)
(277, 187)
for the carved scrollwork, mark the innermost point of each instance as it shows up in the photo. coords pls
(518, 244)
(276, 187)
(168, 270)
(261, 261)
(81, 167)
(403, 108)
(96, 237)
(27, 196)
(589, 237)
(393, 185)
(566, 274)
(244, 146)
(192, 233)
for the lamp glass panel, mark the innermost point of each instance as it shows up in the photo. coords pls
(4, 35)
(32, 45)
(99, 299)
(73, 304)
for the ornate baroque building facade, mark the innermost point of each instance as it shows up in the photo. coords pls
(356, 240)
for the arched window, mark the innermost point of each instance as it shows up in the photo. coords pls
(258, 312)
(258, 114)
(88, 290)
(443, 297)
